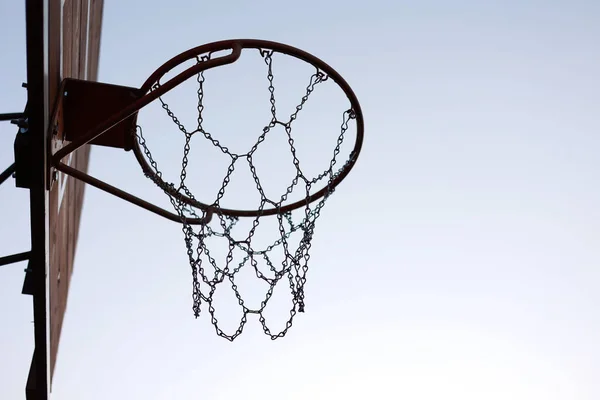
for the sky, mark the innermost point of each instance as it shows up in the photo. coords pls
(459, 260)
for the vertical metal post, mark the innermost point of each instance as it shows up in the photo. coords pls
(37, 385)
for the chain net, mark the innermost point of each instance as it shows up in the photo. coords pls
(294, 267)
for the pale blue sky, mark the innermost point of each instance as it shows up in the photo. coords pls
(458, 261)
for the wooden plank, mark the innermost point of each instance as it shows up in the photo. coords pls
(54, 49)
(75, 39)
(81, 27)
(96, 10)
(67, 34)
(83, 39)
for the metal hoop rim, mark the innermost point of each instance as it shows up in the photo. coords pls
(278, 48)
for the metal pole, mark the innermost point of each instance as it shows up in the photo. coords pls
(11, 116)
(15, 258)
(7, 172)
(37, 387)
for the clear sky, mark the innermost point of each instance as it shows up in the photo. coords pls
(460, 259)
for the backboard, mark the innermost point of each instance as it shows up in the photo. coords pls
(63, 41)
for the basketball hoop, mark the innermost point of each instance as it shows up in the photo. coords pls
(203, 220)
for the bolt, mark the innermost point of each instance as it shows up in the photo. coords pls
(21, 123)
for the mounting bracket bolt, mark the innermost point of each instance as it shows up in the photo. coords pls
(21, 123)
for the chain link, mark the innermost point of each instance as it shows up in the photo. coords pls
(295, 264)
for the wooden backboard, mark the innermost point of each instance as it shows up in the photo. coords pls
(73, 50)
(63, 41)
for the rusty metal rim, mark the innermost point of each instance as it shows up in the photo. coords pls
(236, 46)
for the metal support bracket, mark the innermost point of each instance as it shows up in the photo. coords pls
(7, 173)
(14, 258)
(100, 114)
